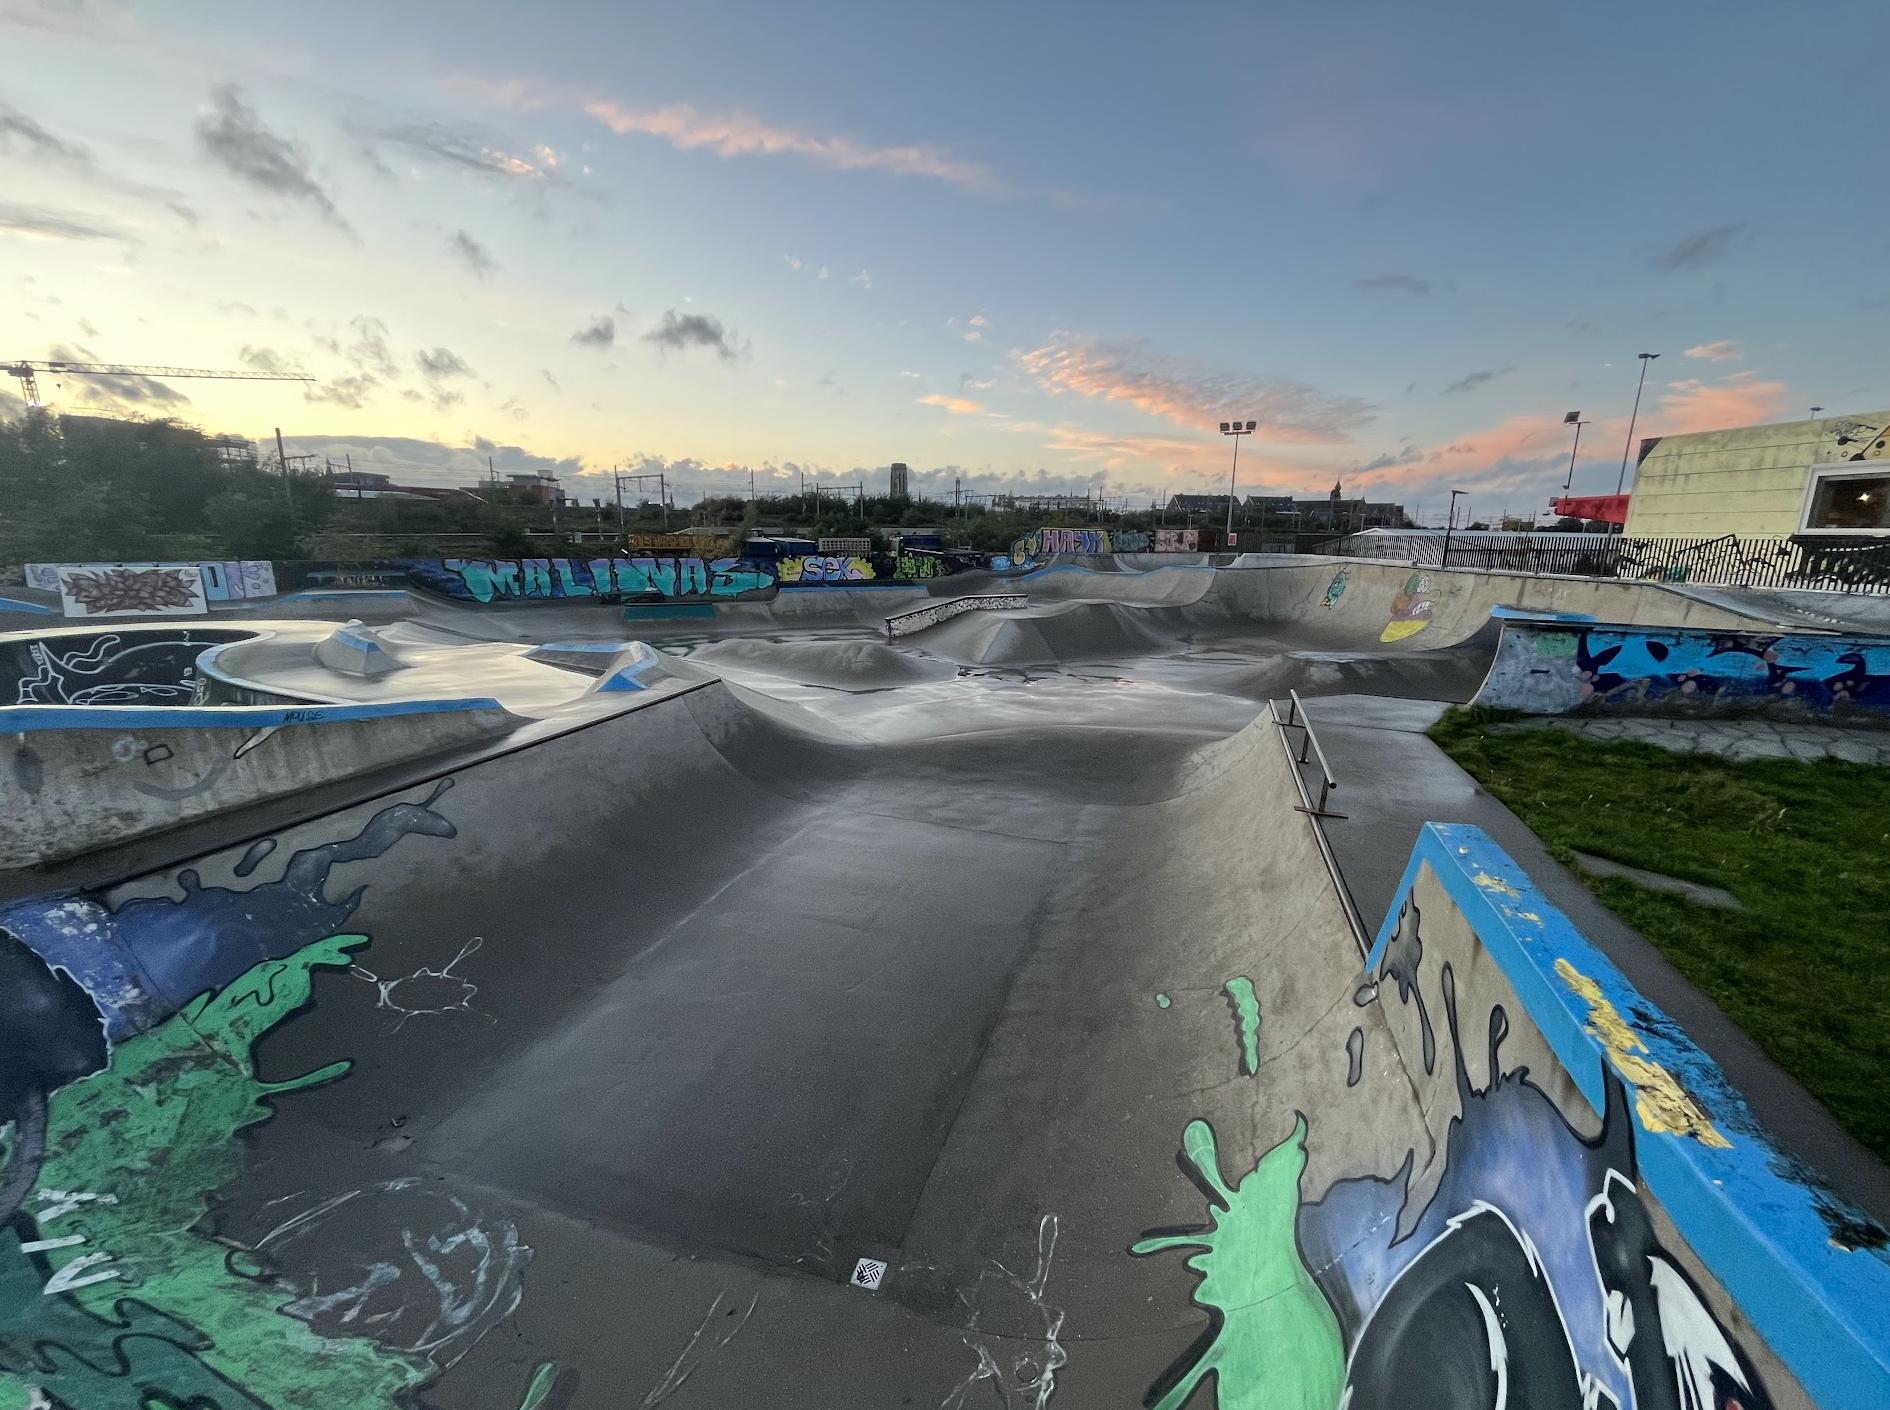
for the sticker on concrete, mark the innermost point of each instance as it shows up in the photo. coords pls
(867, 1274)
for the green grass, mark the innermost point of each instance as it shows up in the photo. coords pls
(1805, 968)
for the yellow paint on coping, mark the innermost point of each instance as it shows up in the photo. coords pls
(1495, 883)
(1661, 1102)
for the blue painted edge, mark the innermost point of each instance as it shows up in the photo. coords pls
(18, 604)
(610, 646)
(869, 583)
(1818, 1306)
(1519, 614)
(25, 719)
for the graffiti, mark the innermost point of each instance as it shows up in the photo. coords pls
(1554, 668)
(112, 668)
(442, 990)
(1659, 1101)
(1041, 543)
(148, 957)
(1410, 609)
(827, 569)
(1520, 1264)
(1335, 589)
(105, 590)
(49, 1036)
(1177, 540)
(1032, 1370)
(410, 1265)
(916, 567)
(906, 623)
(486, 580)
(1855, 440)
(202, 1329)
(1240, 998)
(1272, 1338)
(214, 580)
(712, 1334)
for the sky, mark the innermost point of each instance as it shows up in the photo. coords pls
(1020, 247)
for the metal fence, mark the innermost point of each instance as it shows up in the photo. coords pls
(1830, 564)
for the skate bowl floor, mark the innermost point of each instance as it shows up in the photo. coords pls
(862, 1027)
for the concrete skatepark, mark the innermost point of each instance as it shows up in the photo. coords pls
(744, 1009)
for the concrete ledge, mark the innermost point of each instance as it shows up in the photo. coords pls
(95, 776)
(906, 623)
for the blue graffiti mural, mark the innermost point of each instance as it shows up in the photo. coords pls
(144, 959)
(1818, 672)
(552, 579)
(1041, 543)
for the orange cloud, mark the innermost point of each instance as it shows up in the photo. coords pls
(741, 135)
(957, 406)
(1189, 396)
(1694, 405)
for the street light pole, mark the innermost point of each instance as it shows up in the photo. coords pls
(1450, 523)
(1621, 480)
(1574, 418)
(1236, 429)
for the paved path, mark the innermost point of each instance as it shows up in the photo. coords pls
(1735, 739)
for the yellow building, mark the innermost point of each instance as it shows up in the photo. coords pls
(1830, 476)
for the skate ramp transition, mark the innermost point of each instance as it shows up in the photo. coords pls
(1553, 666)
(692, 1058)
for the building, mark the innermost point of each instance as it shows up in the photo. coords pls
(1825, 477)
(540, 489)
(1197, 504)
(901, 480)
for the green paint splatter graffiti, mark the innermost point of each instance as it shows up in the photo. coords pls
(1162, 1001)
(1274, 1342)
(1239, 991)
(111, 1233)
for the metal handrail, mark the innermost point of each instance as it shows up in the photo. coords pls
(1354, 922)
(1298, 718)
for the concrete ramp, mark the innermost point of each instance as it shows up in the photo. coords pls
(698, 1058)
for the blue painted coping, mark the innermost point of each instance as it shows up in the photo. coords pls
(670, 611)
(17, 604)
(610, 646)
(25, 719)
(907, 583)
(1518, 614)
(1819, 1307)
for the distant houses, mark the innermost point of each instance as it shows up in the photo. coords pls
(1333, 512)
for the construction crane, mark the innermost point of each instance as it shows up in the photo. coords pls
(28, 374)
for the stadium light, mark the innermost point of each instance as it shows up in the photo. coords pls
(1236, 429)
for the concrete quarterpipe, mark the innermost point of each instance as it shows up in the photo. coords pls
(823, 1030)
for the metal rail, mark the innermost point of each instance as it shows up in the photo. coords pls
(1354, 922)
(1297, 718)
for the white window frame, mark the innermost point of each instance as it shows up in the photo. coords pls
(1879, 470)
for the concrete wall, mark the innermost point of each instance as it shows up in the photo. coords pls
(1563, 667)
(92, 777)
(1749, 481)
(1573, 1119)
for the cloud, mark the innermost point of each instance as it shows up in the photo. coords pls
(1699, 249)
(1725, 350)
(679, 332)
(1471, 381)
(441, 363)
(409, 460)
(370, 351)
(1406, 454)
(233, 136)
(468, 149)
(1693, 404)
(265, 359)
(600, 332)
(957, 406)
(794, 262)
(472, 254)
(972, 329)
(33, 223)
(738, 134)
(20, 132)
(1162, 386)
(352, 391)
(130, 393)
(1392, 284)
(862, 279)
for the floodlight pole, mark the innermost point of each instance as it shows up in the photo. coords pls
(1636, 416)
(1236, 429)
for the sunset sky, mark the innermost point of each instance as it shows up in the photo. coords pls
(1026, 246)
